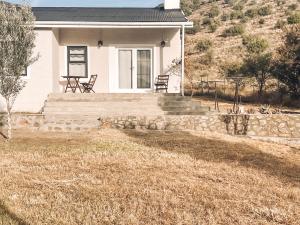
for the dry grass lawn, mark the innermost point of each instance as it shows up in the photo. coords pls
(139, 177)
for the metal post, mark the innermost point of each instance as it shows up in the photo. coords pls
(182, 60)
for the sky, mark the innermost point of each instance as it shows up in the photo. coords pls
(93, 3)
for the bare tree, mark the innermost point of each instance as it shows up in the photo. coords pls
(17, 38)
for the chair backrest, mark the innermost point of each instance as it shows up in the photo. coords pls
(163, 79)
(93, 80)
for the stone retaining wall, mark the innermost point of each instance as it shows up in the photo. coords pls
(279, 125)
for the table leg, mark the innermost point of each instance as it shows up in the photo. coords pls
(68, 85)
(77, 84)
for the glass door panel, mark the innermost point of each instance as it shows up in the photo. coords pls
(143, 69)
(125, 69)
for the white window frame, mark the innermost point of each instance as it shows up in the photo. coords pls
(66, 61)
(28, 74)
(134, 64)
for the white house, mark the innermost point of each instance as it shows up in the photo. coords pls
(126, 47)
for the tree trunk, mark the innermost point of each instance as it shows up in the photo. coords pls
(9, 126)
(261, 85)
(192, 88)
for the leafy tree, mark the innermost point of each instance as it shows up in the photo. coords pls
(259, 67)
(16, 52)
(287, 63)
(257, 63)
(232, 69)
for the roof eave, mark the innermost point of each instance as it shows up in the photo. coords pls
(72, 24)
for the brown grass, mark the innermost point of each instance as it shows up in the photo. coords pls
(139, 177)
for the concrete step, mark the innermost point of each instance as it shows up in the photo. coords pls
(108, 104)
(104, 113)
(173, 98)
(96, 105)
(101, 97)
(179, 104)
(184, 109)
(187, 113)
(128, 104)
(101, 109)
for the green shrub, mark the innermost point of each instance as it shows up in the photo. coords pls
(212, 24)
(214, 11)
(207, 21)
(207, 58)
(238, 6)
(204, 45)
(225, 17)
(230, 2)
(195, 29)
(280, 2)
(231, 69)
(244, 20)
(280, 24)
(255, 44)
(213, 27)
(293, 6)
(234, 30)
(237, 14)
(186, 8)
(196, 4)
(294, 18)
(264, 11)
(261, 21)
(251, 13)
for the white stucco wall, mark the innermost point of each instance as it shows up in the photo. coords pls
(45, 75)
(39, 82)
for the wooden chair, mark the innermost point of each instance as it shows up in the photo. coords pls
(88, 87)
(162, 82)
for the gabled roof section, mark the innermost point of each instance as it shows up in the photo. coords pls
(108, 15)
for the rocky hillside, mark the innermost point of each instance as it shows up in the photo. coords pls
(219, 26)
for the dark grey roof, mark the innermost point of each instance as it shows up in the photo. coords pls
(75, 14)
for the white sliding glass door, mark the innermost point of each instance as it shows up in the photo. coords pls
(135, 70)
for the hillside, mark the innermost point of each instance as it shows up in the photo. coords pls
(263, 18)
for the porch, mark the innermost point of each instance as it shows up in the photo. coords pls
(126, 60)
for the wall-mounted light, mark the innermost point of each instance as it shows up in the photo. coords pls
(163, 44)
(100, 44)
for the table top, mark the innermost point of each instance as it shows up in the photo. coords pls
(72, 77)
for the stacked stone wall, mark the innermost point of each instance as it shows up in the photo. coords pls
(276, 125)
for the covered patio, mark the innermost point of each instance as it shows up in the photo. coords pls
(125, 60)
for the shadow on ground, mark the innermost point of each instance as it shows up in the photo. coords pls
(218, 151)
(9, 218)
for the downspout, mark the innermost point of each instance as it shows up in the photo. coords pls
(182, 59)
